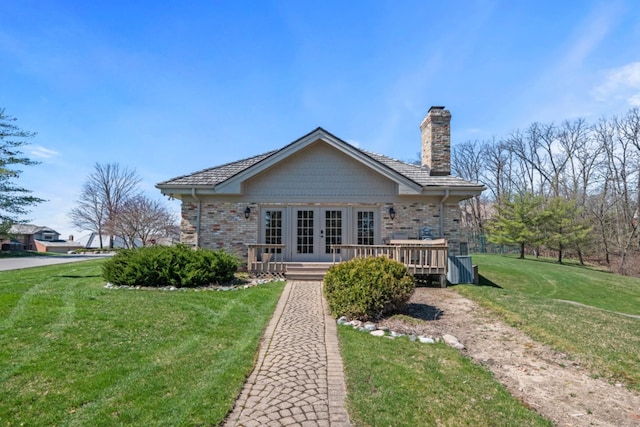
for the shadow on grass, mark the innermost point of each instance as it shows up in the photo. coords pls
(484, 281)
(78, 276)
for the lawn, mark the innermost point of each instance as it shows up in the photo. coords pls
(75, 353)
(404, 383)
(528, 294)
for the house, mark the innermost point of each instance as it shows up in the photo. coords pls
(57, 246)
(319, 191)
(25, 235)
(30, 237)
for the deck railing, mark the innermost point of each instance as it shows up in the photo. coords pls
(265, 258)
(419, 256)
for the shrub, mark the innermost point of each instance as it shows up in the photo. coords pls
(367, 288)
(178, 266)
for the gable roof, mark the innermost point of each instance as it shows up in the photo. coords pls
(30, 229)
(226, 178)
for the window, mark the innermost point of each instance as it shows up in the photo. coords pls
(304, 231)
(365, 228)
(333, 230)
(273, 229)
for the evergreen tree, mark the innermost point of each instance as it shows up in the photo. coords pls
(14, 199)
(518, 220)
(563, 226)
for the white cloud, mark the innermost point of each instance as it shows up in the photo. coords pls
(622, 84)
(634, 101)
(43, 152)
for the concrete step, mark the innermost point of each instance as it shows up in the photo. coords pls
(305, 271)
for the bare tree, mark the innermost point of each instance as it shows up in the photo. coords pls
(143, 218)
(467, 163)
(498, 172)
(103, 195)
(89, 213)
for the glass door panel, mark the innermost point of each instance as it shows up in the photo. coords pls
(305, 231)
(365, 228)
(333, 229)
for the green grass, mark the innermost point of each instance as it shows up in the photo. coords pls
(74, 353)
(404, 383)
(527, 293)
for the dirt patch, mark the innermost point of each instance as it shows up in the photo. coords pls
(544, 379)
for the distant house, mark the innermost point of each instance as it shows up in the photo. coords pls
(32, 237)
(320, 191)
(25, 235)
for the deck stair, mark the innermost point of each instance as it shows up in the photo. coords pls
(307, 270)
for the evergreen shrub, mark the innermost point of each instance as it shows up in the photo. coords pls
(367, 288)
(179, 266)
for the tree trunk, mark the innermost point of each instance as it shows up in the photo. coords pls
(560, 255)
(521, 250)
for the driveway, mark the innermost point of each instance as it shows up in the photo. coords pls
(37, 261)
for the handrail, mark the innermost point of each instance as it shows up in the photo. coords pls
(420, 257)
(265, 257)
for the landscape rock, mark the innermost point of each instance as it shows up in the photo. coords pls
(426, 340)
(370, 326)
(343, 320)
(378, 333)
(452, 341)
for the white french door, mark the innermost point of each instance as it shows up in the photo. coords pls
(315, 230)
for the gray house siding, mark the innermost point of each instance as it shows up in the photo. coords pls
(319, 172)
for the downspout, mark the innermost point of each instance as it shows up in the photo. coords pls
(444, 199)
(198, 211)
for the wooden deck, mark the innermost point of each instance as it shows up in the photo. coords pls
(421, 257)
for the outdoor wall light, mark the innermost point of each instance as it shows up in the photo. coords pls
(247, 212)
(392, 213)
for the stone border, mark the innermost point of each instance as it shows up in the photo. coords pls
(373, 329)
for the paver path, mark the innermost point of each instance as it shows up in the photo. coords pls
(299, 378)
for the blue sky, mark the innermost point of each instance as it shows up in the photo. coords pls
(169, 88)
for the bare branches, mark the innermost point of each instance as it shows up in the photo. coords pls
(142, 218)
(597, 167)
(111, 204)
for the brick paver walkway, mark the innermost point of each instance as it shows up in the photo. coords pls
(299, 378)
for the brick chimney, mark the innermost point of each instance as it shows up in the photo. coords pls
(436, 141)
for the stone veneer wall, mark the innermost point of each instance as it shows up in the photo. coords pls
(436, 141)
(223, 225)
(411, 217)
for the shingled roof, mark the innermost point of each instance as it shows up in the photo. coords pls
(30, 229)
(210, 177)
